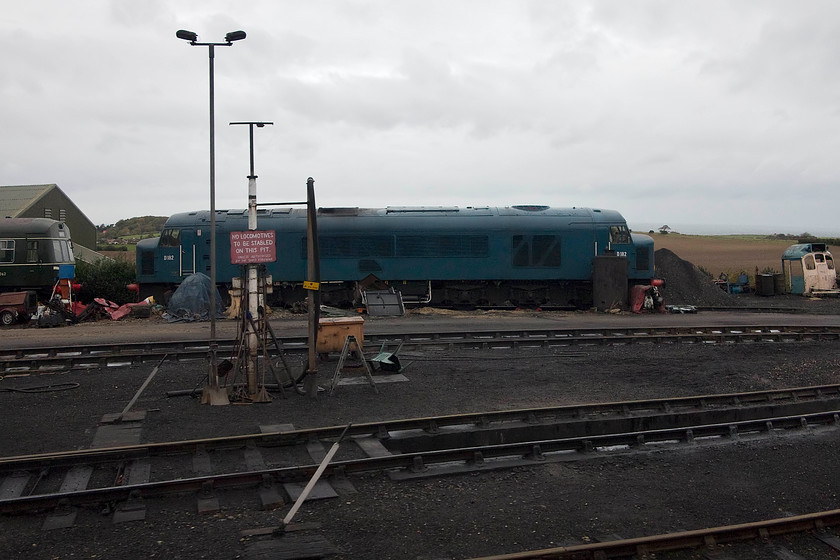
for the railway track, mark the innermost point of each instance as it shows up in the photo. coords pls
(821, 528)
(274, 463)
(110, 355)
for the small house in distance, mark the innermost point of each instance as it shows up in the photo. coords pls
(47, 201)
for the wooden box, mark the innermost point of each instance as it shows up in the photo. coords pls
(332, 332)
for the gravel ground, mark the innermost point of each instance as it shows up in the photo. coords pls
(460, 516)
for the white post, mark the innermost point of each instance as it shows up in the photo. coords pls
(253, 293)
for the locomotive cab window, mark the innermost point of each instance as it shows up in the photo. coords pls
(619, 234)
(170, 238)
(7, 250)
(809, 262)
(829, 261)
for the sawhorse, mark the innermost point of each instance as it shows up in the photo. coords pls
(348, 347)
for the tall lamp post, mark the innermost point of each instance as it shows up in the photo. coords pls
(214, 395)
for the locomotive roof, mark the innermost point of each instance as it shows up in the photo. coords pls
(594, 214)
(23, 226)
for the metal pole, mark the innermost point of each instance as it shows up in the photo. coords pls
(314, 285)
(212, 392)
(214, 376)
(318, 472)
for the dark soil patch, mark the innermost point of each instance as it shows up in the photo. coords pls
(685, 284)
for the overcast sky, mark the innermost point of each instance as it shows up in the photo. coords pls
(714, 114)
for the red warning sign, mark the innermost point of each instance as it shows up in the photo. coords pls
(252, 247)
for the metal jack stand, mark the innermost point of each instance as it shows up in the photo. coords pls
(213, 394)
(251, 353)
(262, 394)
(348, 342)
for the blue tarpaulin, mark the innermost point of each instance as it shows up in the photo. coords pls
(191, 301)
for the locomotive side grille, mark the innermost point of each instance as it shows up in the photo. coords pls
(352, 246)
(442, 246)
(147, 262)
(642, 258)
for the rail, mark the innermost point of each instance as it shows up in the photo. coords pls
(802, 408)
(116, 354)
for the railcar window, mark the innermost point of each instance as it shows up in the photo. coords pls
(830, 262)
(56, 247)
(619, 234)
(7, 250)
(31, 251)
(819, 258)
(442, 246)
(170, 238)
(62, 251)
(536, 250)
(809, 262)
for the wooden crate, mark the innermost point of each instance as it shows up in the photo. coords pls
(332, 332)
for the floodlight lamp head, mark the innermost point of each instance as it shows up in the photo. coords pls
(234, 36)
(190, 36)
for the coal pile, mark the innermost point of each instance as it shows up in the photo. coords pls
(685, 284)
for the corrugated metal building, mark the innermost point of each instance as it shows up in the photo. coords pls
(47, 201)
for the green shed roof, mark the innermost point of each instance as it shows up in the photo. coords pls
(14, 199)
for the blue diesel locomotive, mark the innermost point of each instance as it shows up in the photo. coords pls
(519, 255)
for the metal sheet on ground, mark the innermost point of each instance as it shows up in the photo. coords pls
(273, 428)
(359, 380)
(287, 547)
(117, 435)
